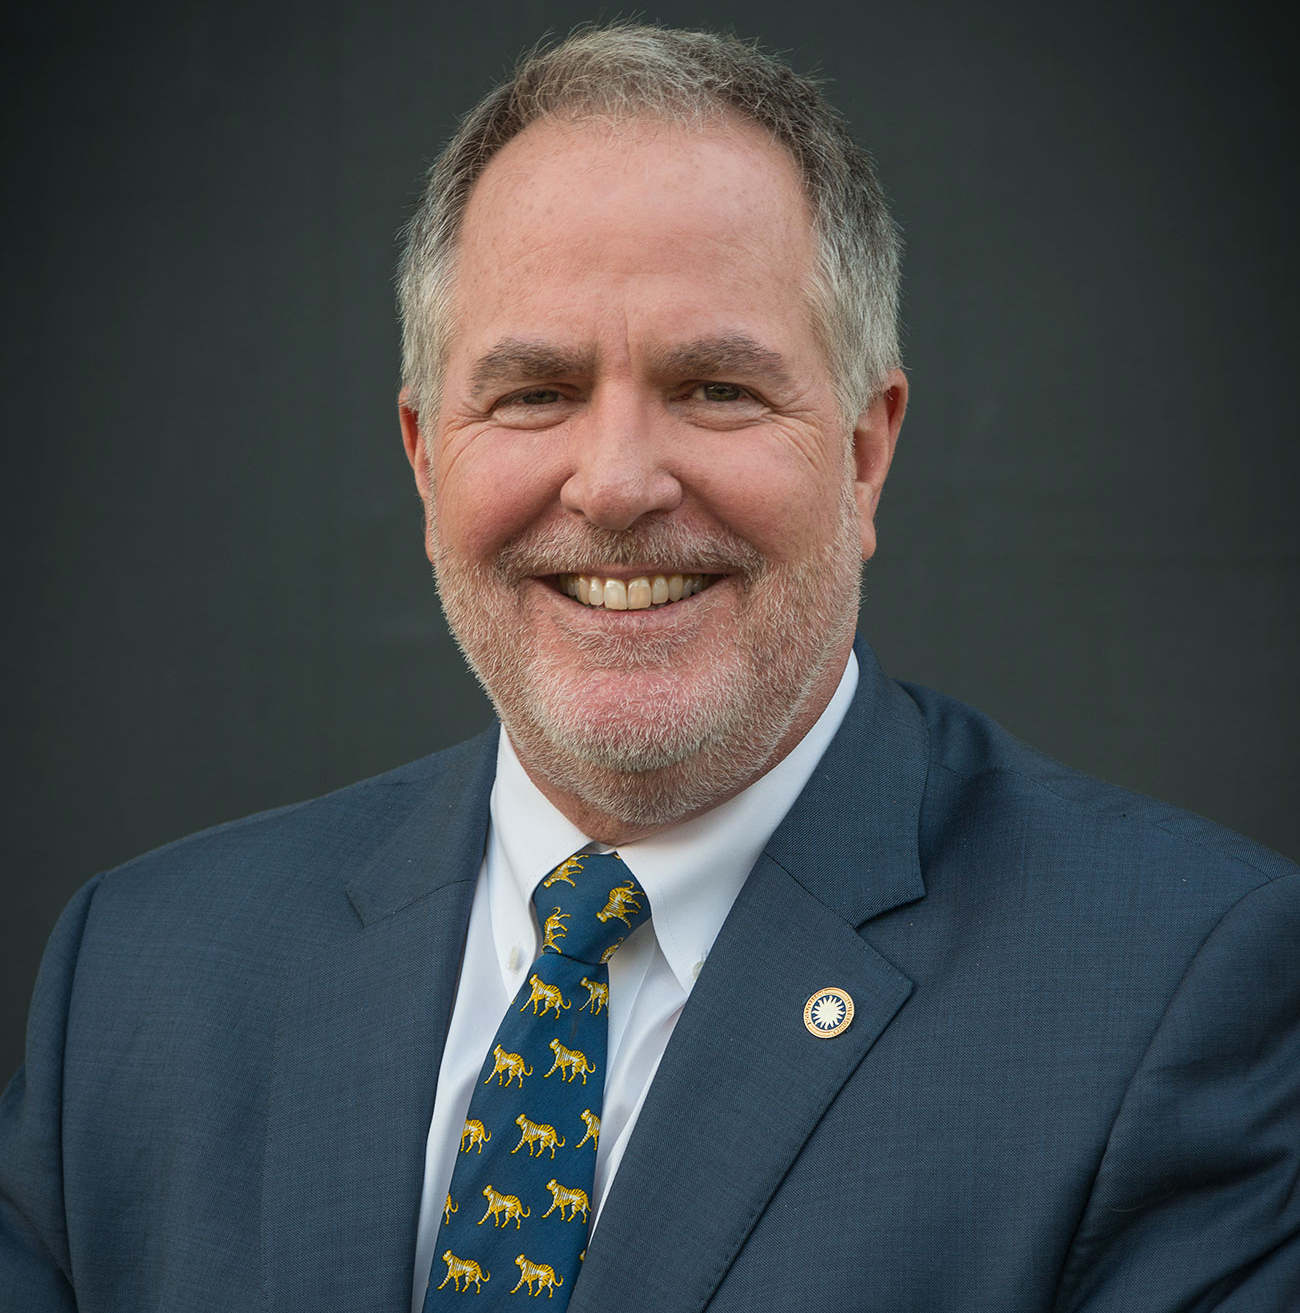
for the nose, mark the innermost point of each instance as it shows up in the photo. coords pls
(619, 453)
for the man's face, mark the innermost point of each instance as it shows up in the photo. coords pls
(634, 395)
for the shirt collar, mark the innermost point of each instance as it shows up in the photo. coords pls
(691, 872)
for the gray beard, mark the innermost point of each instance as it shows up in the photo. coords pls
(652, 773)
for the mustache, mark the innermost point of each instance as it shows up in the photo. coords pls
(569, 547)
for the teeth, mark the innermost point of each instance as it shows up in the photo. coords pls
(637, 594)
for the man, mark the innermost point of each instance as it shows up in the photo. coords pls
(919, 1019)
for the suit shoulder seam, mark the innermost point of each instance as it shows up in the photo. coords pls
(1189, 840)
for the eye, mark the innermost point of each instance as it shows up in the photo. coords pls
(533, 397)
(720, 392)
(718, 405)
(533, 408)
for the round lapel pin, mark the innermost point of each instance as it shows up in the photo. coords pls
(828, 1013)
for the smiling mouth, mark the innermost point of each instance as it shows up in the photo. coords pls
(639, 593)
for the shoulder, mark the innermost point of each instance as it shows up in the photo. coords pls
(1002, 802)
(353, 812)
(293, 862)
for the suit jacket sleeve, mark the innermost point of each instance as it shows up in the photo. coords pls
(35, 1261)
(1196, 1203)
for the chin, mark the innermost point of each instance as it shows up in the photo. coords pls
(671, 749)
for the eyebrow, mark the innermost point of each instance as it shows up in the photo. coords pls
(515, 360)
(722, 356)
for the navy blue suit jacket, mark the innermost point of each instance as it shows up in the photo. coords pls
(1072, 1082)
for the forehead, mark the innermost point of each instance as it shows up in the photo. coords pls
(575, 228)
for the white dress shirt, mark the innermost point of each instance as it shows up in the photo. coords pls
(691, 873)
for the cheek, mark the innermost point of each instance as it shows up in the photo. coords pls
(776, 500)
(487, 491)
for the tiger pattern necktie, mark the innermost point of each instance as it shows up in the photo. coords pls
(516, 1216)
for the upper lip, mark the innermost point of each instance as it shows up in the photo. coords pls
(634, 571)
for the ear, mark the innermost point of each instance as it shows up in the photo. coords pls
(874, 437)
(413, 440)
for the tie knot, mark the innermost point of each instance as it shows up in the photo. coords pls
(588, 905)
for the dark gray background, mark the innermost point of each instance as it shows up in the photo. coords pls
(217, 599)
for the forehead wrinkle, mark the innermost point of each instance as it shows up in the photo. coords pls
(515, 358)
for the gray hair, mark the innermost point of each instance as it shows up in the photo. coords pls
(689, 78)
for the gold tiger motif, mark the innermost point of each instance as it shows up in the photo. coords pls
(448, 1208)
(542, 1273)
(554, 930)
(611, 950)
(537, 1133)
(509, 1064)
(562, 1197)
(622, 900)
(593, 1129)
(597, 995)
(569, 1063)
(565, 871)
(503, 1209)
(548, 995)
(476, 1133)
(463, 1267)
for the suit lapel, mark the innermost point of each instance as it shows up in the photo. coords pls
(361, 1029)
(739, 1090)
(743, 1084)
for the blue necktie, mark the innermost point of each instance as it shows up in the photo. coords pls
(516, 1217)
